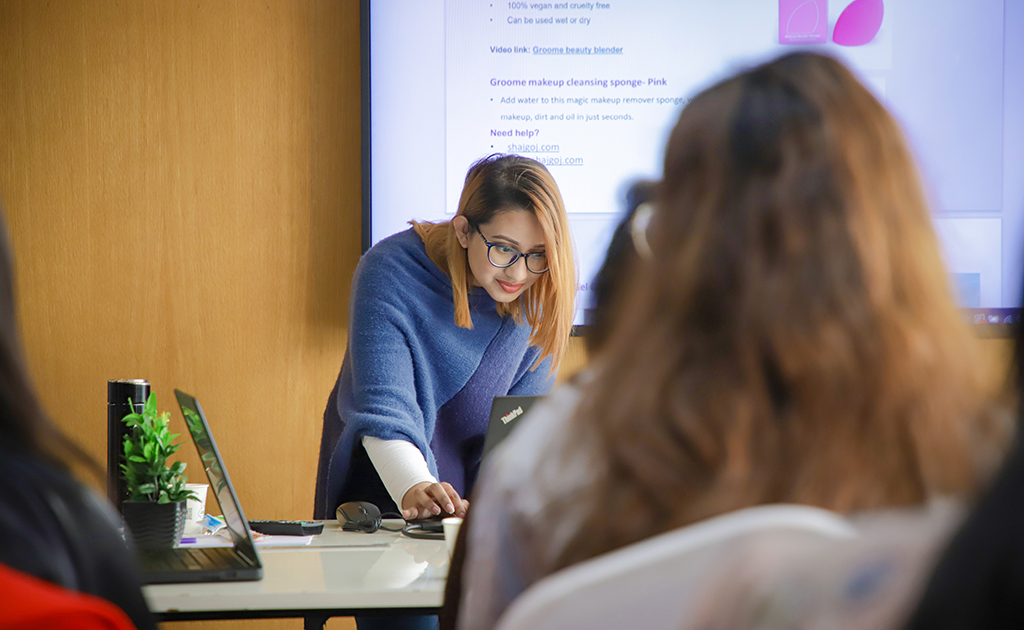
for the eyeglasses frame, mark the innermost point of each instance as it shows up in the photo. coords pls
(515, 259)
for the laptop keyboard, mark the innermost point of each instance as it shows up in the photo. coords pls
(192, 559)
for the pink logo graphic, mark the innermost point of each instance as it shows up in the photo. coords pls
(803, 21)
(859, 23)
(806, 22)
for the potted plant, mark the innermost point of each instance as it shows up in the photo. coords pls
(155, 510)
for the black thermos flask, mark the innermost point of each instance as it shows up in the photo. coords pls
(118, 394)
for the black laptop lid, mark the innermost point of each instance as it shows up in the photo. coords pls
(506, 412)
(220, 482)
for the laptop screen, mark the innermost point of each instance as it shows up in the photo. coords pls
(230, 507)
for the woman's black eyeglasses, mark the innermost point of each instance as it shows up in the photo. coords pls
(502, 256)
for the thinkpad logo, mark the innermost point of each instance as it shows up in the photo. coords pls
(512, 415)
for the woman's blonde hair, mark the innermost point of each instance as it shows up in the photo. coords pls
(503, 183)
(792, 336)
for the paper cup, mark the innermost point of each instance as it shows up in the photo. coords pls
(195, 509)
(451, 532)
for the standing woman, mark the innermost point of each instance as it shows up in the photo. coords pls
(444, 317)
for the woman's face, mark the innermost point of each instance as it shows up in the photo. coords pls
(518, 229)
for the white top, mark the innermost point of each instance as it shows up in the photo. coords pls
(767, 566)
(400, 465)
(871, 582)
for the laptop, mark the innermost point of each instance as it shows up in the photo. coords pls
(240, 561)
(506, 412)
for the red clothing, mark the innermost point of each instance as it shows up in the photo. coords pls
(28, 603)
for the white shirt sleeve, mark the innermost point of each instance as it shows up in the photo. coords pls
(400, 465)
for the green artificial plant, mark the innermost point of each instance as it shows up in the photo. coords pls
(146, 450)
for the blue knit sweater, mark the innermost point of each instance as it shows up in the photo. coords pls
(411, 374)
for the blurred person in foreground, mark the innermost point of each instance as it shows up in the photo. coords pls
(63, 560)
(788, 336)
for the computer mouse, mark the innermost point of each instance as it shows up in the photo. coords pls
(359, 516)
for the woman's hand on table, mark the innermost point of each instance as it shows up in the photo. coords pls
(428, 499)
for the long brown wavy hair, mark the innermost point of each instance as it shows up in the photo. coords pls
(791, 336)
(502, 183)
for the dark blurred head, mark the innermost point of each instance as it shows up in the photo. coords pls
(610, 280)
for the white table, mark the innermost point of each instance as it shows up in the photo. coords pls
(338, 574)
